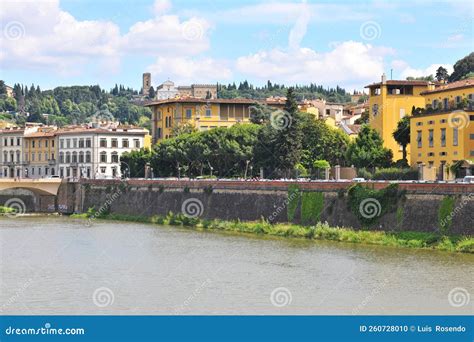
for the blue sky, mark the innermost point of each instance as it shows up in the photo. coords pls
(346, 43)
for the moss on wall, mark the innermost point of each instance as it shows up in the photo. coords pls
(445, 214)
(294, 195)
(312, 205)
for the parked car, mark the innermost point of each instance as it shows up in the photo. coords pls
(358, 179)
(468, 179)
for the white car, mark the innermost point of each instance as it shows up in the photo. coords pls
(468, 179)
(358, 179)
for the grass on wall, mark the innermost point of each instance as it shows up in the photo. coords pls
(294, 195)
(445, 214)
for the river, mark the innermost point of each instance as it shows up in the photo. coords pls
(59, 265)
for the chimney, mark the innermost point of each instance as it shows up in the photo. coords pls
(384, 79)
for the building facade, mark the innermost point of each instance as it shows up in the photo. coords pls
(391, 100)
(40, 151)
(444, 133)
(146, 83)
(87, 152)
(166, 90)
(11, 153)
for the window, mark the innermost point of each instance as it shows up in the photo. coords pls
(419, 123)
(430, 137)
(74, 157)
(32, 143)
(52, 145)
(88, 143)
(435, 104)
(68, 143)
(81, 143)
(471, 136)
(103, 157)
(61, 143)
(472, 153)
(5, 156)
(115, 158)
(418, 139)
(32, 156)
(88, 157)
(61, 157)
(11, 141)
(5, 142)
(52, 171)
(125, 143)
(455, 136)
(443, 137)
(136, 143)
(52, 155)
(46, 143)
(61, 172)
(68, 172)
(442, 121)
(18, 155)
(103, 169)
(189, 113)
(103, 142)
(68, 157)
(431, 122)
(32, 171)
(39, 156)
(74, 143)
(114, 143)
(442, 153)
(445, 103)
(81, 157)
(46, 156)
(208, 112)
(18, 142)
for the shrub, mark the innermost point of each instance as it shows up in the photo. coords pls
(395, 174)
(364, 173)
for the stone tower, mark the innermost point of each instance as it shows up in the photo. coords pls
(146, 83)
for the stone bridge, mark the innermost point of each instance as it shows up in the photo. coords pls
(42, 186)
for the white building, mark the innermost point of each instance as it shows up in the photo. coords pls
(11, 153)
(87, 152)
(166, 90)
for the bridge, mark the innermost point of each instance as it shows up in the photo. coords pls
(44, 186)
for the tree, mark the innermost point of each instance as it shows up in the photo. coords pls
(402, 135)
(183, 128)
(462, 68)
(442, 74)
(3, 87)
(367, 150)
(260, 113)
(151, 93)
(289, 135)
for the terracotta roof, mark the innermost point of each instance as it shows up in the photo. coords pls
(11, 131)
(467, 83)
(87, 130)
(400, 82)
(40, 134)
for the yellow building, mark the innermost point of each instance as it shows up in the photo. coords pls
(206, 114)
(391, 100)
(444, 133)
(40, 151)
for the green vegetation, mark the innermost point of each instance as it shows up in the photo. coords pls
(402, 135)
(369, 204)
(6, 210)
(312, 205)
(307, 92)
(393, 173)
(367, 150)
(294, 195)
(445, 214)
(320, 231)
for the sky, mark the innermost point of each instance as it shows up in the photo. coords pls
(347, 43)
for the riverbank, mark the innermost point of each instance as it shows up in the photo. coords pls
(320, 231)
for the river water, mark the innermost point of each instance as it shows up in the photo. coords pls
(52, 265)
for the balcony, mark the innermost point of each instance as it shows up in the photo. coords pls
(51, 161)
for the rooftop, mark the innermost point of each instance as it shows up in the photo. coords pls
(400, 82)
(467, 83)
(200, 100)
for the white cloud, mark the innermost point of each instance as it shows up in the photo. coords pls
(161, 6)
(408, 71)
(349, 63)
(41, 35)
(167, 35)
(187, 70)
